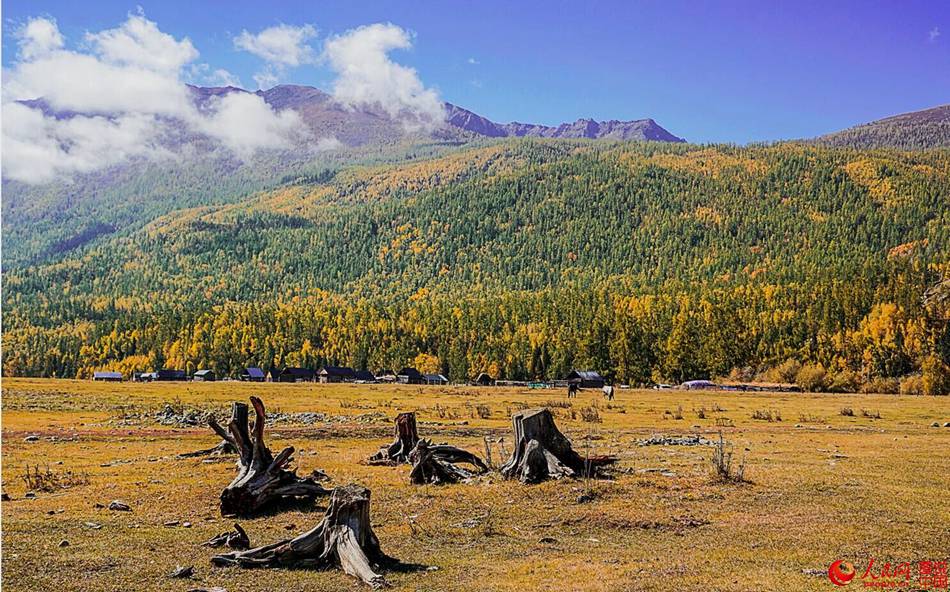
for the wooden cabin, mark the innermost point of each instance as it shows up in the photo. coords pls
(586, 379)
(252, 374)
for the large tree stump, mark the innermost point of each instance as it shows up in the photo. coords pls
(262, 478)
(541, 450)
(436, 464)
(406, 439)
(344, 538)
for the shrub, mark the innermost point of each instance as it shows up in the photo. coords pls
(590, 414)
(845, 381)
(871, 414)
(50, 481)
(722, 463)
(887, 386)
(912, 385)
(787, 371)
(767, 415)
(484, 412)
(847, 412)
(812, 378)
(935, 376)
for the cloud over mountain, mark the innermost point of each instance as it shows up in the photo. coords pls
(112, 100)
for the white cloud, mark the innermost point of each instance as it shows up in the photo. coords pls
(139, 43)
(367, 76)
(473, 61)
(38, 37)
(933, 34)
(114, 99)
(38, 148)
(244, 123)
(284, 45)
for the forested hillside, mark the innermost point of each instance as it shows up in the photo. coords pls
(524, 258)
(929, 128)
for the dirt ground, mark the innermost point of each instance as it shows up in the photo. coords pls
(823, 486)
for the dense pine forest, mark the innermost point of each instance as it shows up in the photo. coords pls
(524, 258)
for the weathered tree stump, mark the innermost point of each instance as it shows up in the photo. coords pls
(235, 539)
(542, 451)
(262, 478)
(344, 538)
(406, 439)
(435, 464)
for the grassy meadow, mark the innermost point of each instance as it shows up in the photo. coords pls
(823, 485)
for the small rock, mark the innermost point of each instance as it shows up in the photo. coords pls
(290, 527)
(432, 568)
(98, 506)
(211, 589)
(585, 498)
(32, 438)
(171, 523)
(946, 424)
(183, 572)
(547, 540)
(186, 524)
(64, 543)
(935, 424)
(119, 506)
(93, 525)
(4, 497)
(29, 495)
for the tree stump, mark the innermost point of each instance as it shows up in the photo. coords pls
(435, 464)
(541, 450)
(344, 538)
(262, 478)
(406, 439)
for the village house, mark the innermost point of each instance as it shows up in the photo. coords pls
(585, 379)
(410, 376)
(252, 374)
(204, 376)
(104, 376)
(336, 374)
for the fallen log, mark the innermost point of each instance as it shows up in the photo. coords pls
(436, 464)
(543, 452)
(262, 478)
(407, 437)
(344, 538)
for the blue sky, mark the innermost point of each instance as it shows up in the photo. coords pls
(707, 71)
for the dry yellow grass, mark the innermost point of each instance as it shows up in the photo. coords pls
(824, 486)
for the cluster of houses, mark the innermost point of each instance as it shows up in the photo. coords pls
(326, 374)
(331, 374)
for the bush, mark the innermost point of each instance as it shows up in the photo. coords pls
(887, 386)
(845, 381)
(786, 372)
(847, 412)
(722, 463)
(912, 385)
(812, 378)
(935, 376)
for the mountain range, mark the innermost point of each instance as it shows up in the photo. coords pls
(357, 126)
